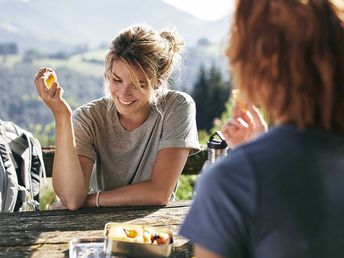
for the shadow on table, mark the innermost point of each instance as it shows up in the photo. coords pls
(91, 218)
(22, 232)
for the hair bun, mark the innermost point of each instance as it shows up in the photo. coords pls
(174, 40)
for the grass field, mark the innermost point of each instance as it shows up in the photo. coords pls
(88, 63)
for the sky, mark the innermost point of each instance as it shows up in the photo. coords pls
(209, 10)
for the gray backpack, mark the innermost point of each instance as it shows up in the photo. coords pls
(21, 168)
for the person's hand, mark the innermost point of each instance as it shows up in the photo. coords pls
(244, 126)
(52, 97)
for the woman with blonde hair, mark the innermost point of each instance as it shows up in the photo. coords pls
(137, 138)
(281, 194)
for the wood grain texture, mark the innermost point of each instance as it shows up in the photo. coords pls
(47, 233)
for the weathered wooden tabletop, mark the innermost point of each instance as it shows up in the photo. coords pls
(47, 233)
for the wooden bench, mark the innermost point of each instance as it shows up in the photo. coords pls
(193, 164)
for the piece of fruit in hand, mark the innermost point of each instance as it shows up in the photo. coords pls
(50, 80)
(239, 100)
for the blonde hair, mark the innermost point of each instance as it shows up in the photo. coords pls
(288, 56)
(142, 48)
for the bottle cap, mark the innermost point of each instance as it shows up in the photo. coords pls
(215, 143)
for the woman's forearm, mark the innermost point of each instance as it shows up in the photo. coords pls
(68, 178)
(157, 190)
(142, 193)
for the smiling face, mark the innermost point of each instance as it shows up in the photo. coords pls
(130, 101)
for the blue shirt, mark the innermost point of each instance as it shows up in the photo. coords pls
(281, 196)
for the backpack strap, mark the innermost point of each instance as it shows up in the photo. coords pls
(3, 182)
(27, 157)
(10, 182)
(36, 146)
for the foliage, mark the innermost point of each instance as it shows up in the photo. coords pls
(225, 116)
(200, 95)
(45, 134)
(186, 187)
(203, 136)
(210, 94)
(47, 199)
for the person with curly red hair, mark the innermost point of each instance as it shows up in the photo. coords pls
(280, 195)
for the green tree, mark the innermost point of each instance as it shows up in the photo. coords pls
(200, 94)
(219, 94)
(210, 94)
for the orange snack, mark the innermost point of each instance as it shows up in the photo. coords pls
(238, 99)
(130, 232)
(50, 80)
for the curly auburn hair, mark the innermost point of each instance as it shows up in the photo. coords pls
(288, 57)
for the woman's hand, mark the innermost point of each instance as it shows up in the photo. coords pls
(52, 97)
(244, 126)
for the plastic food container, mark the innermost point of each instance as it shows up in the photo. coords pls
(133, 240)
(85, 247)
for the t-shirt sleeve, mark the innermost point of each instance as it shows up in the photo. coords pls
(220, 216)
(179, 126)
(84, 134)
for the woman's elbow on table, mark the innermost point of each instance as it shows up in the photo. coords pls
(72, 203)
(73, 206)
(153, 193)
(160, 197)
(161, 201)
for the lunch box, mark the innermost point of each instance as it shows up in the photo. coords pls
(114, 246)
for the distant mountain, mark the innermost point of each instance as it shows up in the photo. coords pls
(51, 25)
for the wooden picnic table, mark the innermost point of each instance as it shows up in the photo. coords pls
(47, 233)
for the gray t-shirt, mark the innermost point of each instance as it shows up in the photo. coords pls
(122, 156)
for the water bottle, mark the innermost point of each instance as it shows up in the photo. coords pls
(216, 147)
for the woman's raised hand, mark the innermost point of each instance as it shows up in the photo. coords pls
(244, 126)
(52, 96)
